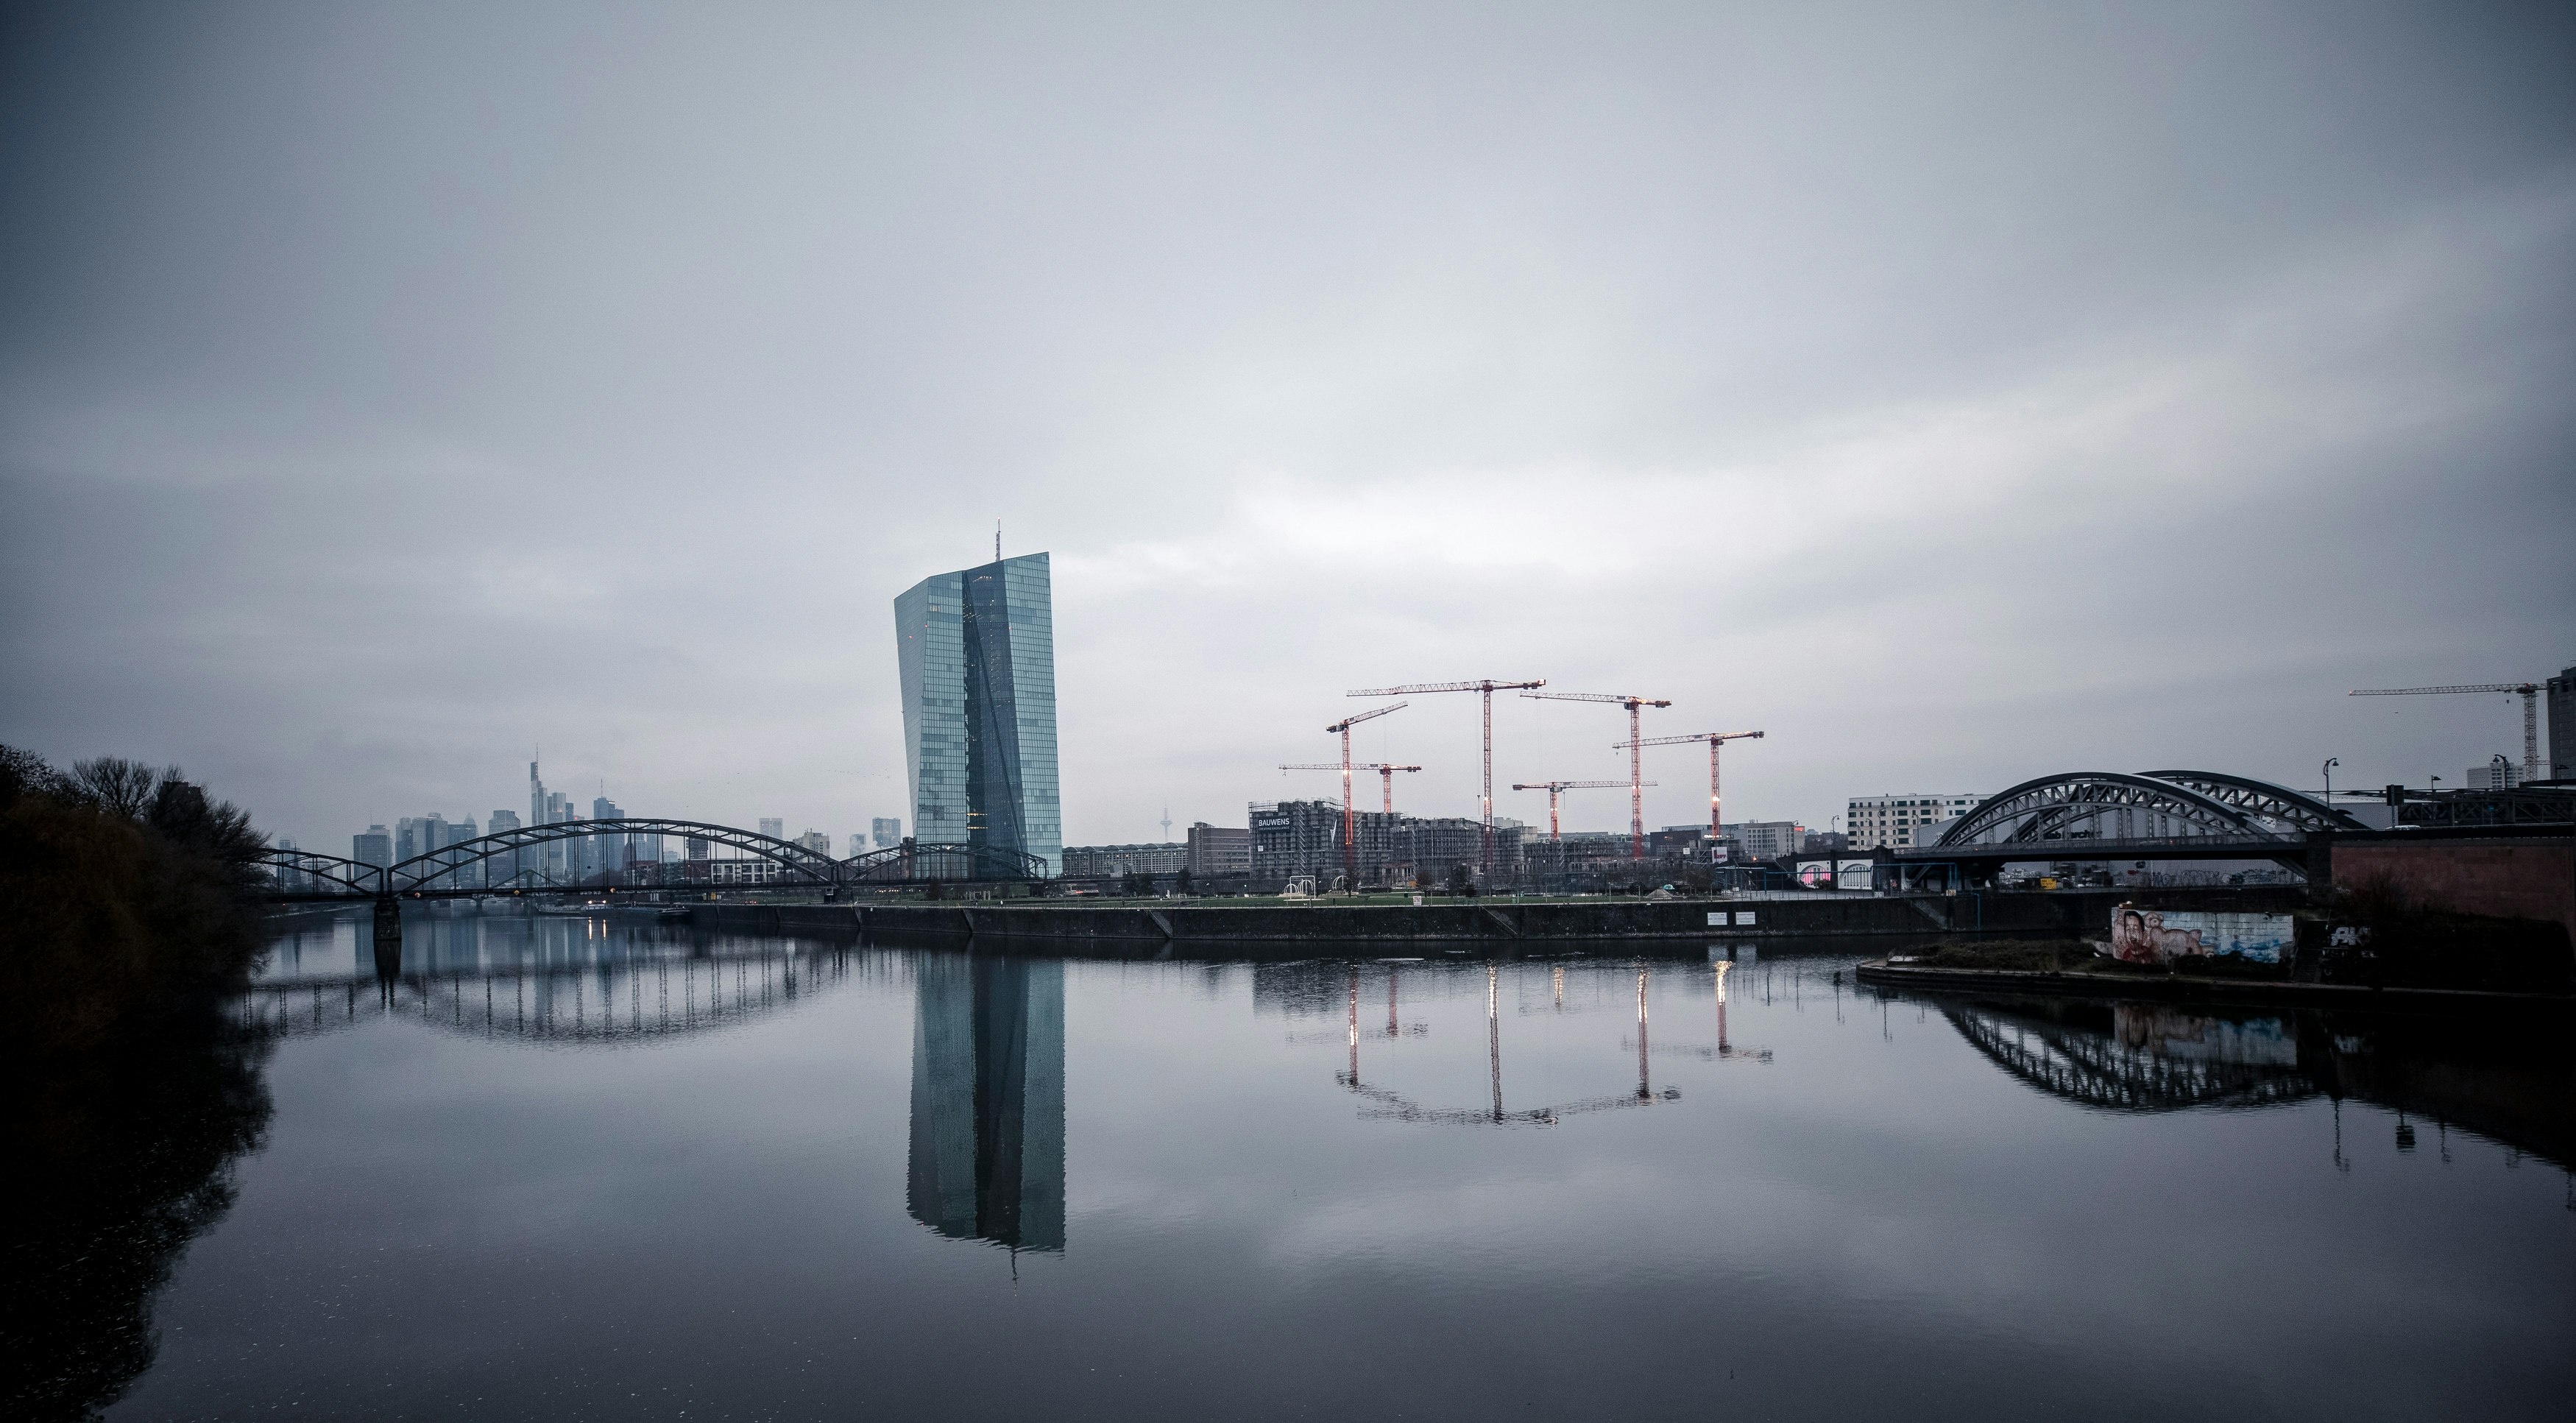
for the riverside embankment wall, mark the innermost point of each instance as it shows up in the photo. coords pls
(2057, 914)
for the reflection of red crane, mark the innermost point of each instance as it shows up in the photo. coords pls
(1488, 686)
(1715, 739)
(1396, 1106)
(1552, 787)
(2530, 713)
(1350, 845)
(1636, 783)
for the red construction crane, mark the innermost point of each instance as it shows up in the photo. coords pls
(1636, 772)
(1488, 686)
(1350, 846)
(1715, 739)
(1386, 773)
(2530, 712)
(1553, 787)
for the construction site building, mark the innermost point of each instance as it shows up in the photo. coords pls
(1112, 861)
(1299, 839)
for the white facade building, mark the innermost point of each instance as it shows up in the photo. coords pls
(1903, 821)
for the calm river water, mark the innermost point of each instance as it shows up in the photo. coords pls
(576, 1168)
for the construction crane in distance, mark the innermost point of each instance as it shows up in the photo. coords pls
(1488, 686)
(1636, 769)
(1553, 787)
(1350, 846)
(2530, 693)
(1386, 774)
(1715, 739)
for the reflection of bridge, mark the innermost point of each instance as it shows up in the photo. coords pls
(466, 869)
(2511, 1086)
(2138, 1057)
(2111, 815)
(1396, 1106)
(629, 999)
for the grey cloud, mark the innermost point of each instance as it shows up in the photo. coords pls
(382, 391)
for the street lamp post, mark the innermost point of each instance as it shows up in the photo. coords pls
(2331, 763)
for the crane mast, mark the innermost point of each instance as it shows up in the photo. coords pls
(1487, 686)
(1715, 740)
(1636, 768)
(1350, 844)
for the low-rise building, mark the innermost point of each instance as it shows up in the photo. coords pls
(1767, 839)
(1113, 861)
(1903, 821)
(1430, 847)
(2496, 775)
(1219, 850)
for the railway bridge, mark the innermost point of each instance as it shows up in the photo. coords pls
(467, 869)
(2115, 815)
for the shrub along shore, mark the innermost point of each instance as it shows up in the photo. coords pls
(128, 902)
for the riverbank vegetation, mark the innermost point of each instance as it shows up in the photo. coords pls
(128, 908)
(131, 900)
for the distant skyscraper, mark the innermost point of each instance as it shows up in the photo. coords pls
(607, 852)
(987, 1154)
(2562, 724)
(977, 653)
(503, 868)
(887, 830)
(858, 846)
(557, 810)
(373, 847)
(774, 826)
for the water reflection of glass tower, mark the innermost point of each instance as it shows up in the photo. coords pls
(976, 650)
(988, 1100)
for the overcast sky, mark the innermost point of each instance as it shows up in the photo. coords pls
(1956, 394)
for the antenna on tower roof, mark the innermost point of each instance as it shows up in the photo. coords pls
(997, 540)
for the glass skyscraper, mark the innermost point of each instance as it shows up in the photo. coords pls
(977, 651)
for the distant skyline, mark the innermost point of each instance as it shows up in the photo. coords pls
(1955, 394)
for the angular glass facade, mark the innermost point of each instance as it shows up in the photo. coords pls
(977, 652)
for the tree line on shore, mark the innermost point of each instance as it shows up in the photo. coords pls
(130, 895)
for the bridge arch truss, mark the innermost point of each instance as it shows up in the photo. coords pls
(465, 868)
(2153, 805)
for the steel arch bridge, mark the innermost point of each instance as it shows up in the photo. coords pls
(2114, 815)
(466, 869)
(2171, 803)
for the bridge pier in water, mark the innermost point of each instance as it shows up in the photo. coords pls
(388, 939)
